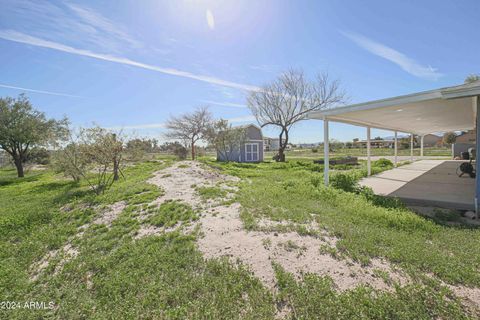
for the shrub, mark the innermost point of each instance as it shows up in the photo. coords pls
(314, 150)
(383, 163)
(38, 156)
(180, 152)
(345, 181)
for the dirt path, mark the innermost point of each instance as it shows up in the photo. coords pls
(224, 235)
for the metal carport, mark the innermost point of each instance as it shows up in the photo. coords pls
(445, 109)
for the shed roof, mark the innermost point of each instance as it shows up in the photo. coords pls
(439, 110)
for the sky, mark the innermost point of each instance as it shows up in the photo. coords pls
(133, 64)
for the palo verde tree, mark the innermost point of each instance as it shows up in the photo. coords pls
(22, 128)
(288, 99)
(189, 127)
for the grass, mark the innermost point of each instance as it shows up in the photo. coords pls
(166, 277)
(211, 192)
(170, 213)
(314, 297)
(305, 154)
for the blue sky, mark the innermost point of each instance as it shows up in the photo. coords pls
(132, 64)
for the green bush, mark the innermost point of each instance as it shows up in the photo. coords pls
(347, 181)
(38, 156)
(382, 163)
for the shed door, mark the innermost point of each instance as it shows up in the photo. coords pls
(251, 152)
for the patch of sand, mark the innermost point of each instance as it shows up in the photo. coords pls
(224, 236)
(470, 297)
(110, 213)
(68, 252)
(179, 181)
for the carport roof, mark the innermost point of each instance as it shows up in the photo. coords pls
(445, 109)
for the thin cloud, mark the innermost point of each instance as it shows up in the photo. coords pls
(39, 91)
(67, 22)
(226, 104)
(210, 19)
(99, 22)
(20, 37)
(407, 64)
(242, 119)
(162, 125)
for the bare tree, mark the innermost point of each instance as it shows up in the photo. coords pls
(289, 98)
(94, 154)
(189, 127)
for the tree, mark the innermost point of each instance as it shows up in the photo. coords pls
(472, 78)
(288, 100)
(22, 128)
(95, 155)
(70, 161)
(190, 127)
(226, 139)
(143, 144)
(449, 138)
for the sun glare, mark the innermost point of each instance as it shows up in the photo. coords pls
(210, 19)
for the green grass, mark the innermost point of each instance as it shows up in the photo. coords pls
(314, 297)
(304, 154)
(211, 192)
(170, 213)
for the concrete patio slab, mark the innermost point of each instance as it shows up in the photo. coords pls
(426, 182)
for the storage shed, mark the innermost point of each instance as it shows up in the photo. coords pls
(250, 150)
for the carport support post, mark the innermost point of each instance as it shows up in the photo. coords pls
(411, 146)
(421, 146)
(395, 145)
(369, 161)
(477, 158)
(326, 147)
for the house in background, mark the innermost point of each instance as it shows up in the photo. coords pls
(464, 142)
(374, 143)
(271, 144)
(466, 137)
(432, 140)
(250, 150)
(308, 145)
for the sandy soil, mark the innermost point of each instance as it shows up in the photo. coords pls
(223, 235)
